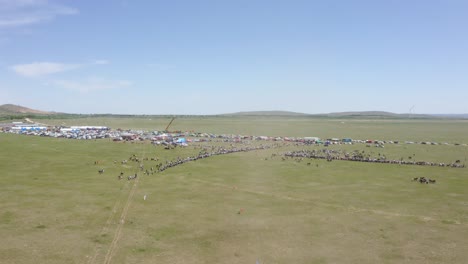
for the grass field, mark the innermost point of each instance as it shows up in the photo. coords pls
(235, 208)
(439, 130)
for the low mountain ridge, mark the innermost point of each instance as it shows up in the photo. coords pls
(451, 115)
(266, 113)
(11, 109)
(350, 114)
(382, 114)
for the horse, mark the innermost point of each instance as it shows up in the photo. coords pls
(132, 177)
(423, 180)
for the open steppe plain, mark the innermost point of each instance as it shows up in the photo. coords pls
(236, 208)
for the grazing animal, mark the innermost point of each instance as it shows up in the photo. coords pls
(424, 180)
(132, 177)
(101, 171)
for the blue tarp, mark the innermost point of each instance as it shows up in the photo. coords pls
(32, 128)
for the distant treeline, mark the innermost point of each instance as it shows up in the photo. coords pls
(36, 116)
(4, 117)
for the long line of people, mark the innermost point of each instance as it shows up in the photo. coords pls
(205, 154)
(331, 155)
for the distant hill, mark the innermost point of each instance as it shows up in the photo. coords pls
(10, 109)
(267, 113)
(361, 114)
(459, 116)
(376, 114)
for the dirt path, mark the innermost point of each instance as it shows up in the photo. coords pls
(126, 198)
(123, 217)
(32, 122)
(105, 228)
(118, 231)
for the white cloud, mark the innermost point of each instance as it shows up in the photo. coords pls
(12, 4)
(17, 13)
(101, 62)
(37, 69)
(18, 21)
(91, 84)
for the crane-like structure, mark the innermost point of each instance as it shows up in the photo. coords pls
(168, 125)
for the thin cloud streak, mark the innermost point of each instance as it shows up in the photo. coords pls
(101, 62)
(29, 12)
(14, 4)
(37, 69)
(91, 84)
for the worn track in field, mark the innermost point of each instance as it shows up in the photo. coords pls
(118, 231)
(106, 226)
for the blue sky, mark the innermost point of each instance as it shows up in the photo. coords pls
(212, 57)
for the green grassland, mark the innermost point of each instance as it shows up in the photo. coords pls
(439, 130)
(235, 208)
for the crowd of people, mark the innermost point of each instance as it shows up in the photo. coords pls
(205, 154)
(358, 156)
